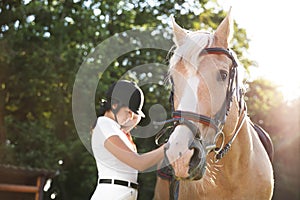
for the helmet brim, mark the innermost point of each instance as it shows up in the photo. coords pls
(140, 113)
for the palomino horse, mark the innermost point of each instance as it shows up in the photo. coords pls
(215, 151)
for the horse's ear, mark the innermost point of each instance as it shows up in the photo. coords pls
(179, 33)
(224, 32)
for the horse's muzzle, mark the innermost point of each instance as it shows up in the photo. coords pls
(197, 165)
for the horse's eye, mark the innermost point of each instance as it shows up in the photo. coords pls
(223, 75)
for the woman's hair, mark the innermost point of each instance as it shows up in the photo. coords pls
(104, 106)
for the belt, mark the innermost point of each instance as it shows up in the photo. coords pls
(119, 182)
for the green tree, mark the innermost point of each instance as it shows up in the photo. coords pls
(262, 97)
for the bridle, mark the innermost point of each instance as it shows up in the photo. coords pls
(190, 119)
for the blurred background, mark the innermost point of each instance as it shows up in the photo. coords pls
(43, 44)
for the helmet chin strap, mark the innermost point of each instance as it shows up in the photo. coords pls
(115, 111)
(127, 120)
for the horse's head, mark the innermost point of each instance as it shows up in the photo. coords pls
(204, 78)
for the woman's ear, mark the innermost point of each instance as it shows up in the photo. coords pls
(131, 115)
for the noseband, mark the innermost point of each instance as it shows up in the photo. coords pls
(190, 119)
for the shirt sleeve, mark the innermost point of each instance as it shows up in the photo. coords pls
(108, 127)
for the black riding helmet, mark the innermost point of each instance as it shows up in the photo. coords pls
(127, 93)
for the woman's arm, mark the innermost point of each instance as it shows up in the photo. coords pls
(140, 162)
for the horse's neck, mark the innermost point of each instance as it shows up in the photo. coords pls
(242, 146)
(246, 165)
(238, 159)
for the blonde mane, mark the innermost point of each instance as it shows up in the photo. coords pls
(189, 51)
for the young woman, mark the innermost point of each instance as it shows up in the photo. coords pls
(115, 153)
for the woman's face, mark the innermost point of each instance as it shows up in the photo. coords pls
(127, 119)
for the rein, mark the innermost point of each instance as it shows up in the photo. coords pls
(222, 152)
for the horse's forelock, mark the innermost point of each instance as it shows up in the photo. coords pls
(189, 51)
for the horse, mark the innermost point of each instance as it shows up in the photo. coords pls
(214, 150)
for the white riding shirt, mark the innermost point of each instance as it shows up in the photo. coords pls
(110, 167)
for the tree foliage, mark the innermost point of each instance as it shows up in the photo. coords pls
(43, 44)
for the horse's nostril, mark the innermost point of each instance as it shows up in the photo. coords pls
(198, 161)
